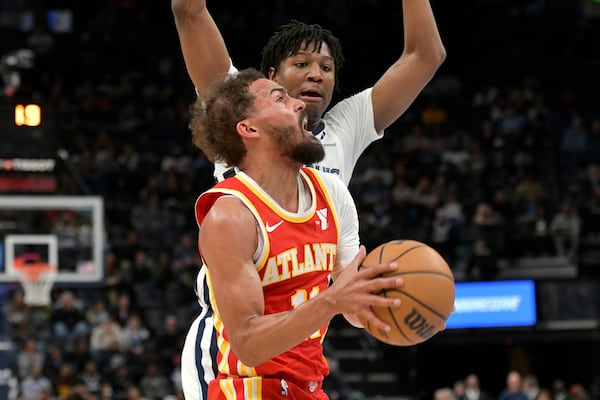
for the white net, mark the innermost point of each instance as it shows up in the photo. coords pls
(37, 282)
(33, 260)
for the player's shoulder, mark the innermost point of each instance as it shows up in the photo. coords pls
(357, 99)
(332, 183)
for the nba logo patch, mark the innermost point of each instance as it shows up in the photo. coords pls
(284, 387)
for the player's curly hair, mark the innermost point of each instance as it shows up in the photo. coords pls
(288, 40)
(216, 112)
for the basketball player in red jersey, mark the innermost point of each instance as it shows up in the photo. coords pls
(306, 60)
(270, 238)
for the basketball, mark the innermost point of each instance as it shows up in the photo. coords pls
(427, 293)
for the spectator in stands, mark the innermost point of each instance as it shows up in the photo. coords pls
(574, 139)
(29, 358)
(425, 198)
(80, 392)
(68, 320)
(91, 378)
(488, 244)
(54, 359)
(147, 217)
(459, 390)
(565, 229)
(444, 236)
(593, 142)
(514, 387)
(590, 203)
(36, 386)
(169, 341)
(96, 313)
(528, 189)
(541, 242)
(141, 272)
(473, 389)
(544, 394)
(559, 390)
(444, 393)
(121, 380)
(107, 392)
(115, 277)
(18, 315)
(592, 213)
(483, 261)
(106, 340)
(591, 180)
(65, 380)
(135, 335)
(154, 384)
(185, 254)
(133, 392)
(531, 386)
(577, 392)
(123, 309)
(80, 354)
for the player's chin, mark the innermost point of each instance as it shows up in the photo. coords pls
(314, 111)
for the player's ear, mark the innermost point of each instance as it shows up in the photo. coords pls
(246, 129)
(272, 73)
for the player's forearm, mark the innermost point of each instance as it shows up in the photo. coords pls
(421, 35)
(204, 51)
(268, 336)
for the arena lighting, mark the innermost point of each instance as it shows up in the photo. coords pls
(494, 304)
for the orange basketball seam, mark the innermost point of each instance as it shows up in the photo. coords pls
(421, 272)
(416, 300)
(400, 255)
(368, 327)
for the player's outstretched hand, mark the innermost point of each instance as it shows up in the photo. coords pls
(353, 291)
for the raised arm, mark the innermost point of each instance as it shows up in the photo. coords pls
(423, 54)
(203, 47)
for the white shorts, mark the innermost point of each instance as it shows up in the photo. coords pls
(198, 357)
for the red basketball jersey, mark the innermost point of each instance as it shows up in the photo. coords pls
(298, 257)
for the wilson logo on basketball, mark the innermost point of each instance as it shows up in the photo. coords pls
(417, 323)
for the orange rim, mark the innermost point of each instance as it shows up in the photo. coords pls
(30, 266)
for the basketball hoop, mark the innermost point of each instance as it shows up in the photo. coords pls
(36, 277)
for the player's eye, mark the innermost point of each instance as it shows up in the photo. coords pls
(327, 68)
(279, 99)
(300, 64)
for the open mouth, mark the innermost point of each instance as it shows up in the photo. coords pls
(303, 122)
(310, 95)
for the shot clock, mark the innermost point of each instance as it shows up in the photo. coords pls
(27, 147)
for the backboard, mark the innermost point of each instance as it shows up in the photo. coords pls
(64, 231)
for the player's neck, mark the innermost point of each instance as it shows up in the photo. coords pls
(281, 184)
(315, 126)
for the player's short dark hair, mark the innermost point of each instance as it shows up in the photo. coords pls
(289, 38)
